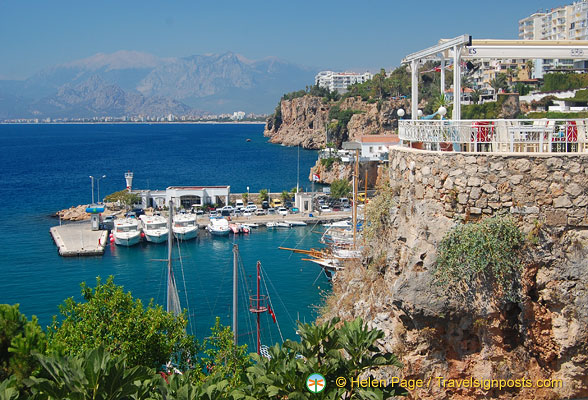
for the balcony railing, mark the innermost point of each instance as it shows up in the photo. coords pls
(501, 136)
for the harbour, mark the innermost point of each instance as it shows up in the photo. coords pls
(47, 168)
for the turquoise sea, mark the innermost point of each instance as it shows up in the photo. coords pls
(47, 167)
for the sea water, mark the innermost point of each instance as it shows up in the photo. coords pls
(46, 168)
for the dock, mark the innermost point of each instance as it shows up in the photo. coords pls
(324, 218)
(79, 240)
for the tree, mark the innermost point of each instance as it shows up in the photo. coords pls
(286, 196)
(19, 337)
(499, 82)
(530, 65)
(124, 196)
(112, 319)
(263, 195)
(340, 188)
(245, 197)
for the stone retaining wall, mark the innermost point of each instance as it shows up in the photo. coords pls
(549, 188)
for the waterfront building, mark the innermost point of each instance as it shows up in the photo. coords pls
(376, 147)
(569, 22)
(339, 81)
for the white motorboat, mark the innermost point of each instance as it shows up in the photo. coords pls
(185, 226)
(250, 225)
(127, 231)
(271, 225)
(296, 223)
(218, 227)
(283, 225)
(340, 224)
(154, 228)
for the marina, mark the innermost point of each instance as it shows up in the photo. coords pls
(79, 240)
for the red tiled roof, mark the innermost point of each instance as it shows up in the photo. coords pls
(379, 139)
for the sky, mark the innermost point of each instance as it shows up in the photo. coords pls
(339, 35)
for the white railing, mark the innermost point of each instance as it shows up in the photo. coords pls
(500, 135)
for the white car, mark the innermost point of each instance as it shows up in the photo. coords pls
(325, 208)
(248, 213)
(283, 211)
(251, 208)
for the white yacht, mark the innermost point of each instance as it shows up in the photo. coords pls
(218, 226)
(154, 228)
(185, 226)
(127, 231)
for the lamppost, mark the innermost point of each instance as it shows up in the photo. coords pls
(400, 113)
(92, 178)
(442, 111)
(98, 179)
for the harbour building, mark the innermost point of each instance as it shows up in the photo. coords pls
(339, 81)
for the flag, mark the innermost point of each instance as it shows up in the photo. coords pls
(316, 177)
(271, 312)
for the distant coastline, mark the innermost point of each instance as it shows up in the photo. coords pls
(135, 123)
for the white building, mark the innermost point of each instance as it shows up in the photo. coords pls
(188, 196)
(568, 22)
(339, 81)
(376, 147)
(238, 115)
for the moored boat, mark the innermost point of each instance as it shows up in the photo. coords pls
(296, 223)
(154, 228)
(218, 227)
(127, 232)
(185, 226)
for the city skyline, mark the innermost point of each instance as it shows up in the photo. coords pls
(328, 35)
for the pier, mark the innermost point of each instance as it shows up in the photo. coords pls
(79, 240)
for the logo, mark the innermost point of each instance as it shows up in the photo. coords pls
(315, 383)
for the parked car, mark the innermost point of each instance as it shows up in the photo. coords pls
(225, 213)
(108, 223)
(288, 204)
(239, 203)
(325, 208)
(283, 211)
(199, 212)
(336, 208)
(213, 213)
(264, 205)
(230, 209)
(248, 212)
(271, 211)
(260, 211)
(276, 203)
(294, 210)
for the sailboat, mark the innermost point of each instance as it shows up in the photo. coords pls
(173, 300)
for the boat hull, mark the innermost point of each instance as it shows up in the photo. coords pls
(127, 241)
(187, 235)
(155, 238)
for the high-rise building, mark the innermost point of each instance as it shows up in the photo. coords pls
(568, 22)
(339, 81)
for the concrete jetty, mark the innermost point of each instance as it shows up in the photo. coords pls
(324, 218)
(79, 240)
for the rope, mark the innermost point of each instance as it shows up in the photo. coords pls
(279, 298)
(246, 294)
(271, 304)
(185, 289)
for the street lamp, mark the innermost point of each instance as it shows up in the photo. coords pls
(92, 178)
(442, 111)
(98, 179)
(420, 113)
(400, 113)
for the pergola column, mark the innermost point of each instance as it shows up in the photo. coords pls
(442, 74)
(414, 109)
(456, 115)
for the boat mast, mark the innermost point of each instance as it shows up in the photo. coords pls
(235, 289)
(298, 170)
(258, 311)
(173, 300)
(355, 177)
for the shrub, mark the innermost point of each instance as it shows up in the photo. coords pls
(473, 255)
(340, 188)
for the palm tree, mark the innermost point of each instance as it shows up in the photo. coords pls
(530, 65)
(499, 82)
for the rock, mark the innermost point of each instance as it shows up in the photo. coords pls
(488, 188)
(562, 202)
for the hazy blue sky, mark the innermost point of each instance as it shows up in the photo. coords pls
(329, 34)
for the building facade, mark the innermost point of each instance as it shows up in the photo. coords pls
(568, 22)
(339, 81)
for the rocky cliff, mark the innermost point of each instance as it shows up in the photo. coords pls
(304, 120)
(541, 336)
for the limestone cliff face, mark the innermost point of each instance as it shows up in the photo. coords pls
(542, 336)
(304, 120)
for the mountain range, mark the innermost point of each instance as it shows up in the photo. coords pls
(135, 83)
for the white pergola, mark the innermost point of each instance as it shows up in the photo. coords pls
(464, 48)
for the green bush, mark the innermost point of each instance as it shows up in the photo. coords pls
(474, 255)
(327, 163)
(562, 81)
(340, 188)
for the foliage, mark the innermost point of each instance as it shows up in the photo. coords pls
(111, 318)
(562, 81)
(286, 196)
(222, 358)
(557, 115)
(294, 190)
(377, 212)
(581, 96)
(490, 110)
(331, 350)
(545, 102)
(19, 337)
(328, 162)
(500, 81)
(94, 374)
(340, 188)
(472, 255)
(522, 89)
(263, 196)
(245, 197)
(123, 196)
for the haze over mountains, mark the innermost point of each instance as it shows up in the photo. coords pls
(135, 83)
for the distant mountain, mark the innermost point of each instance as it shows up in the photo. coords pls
(135, 82)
